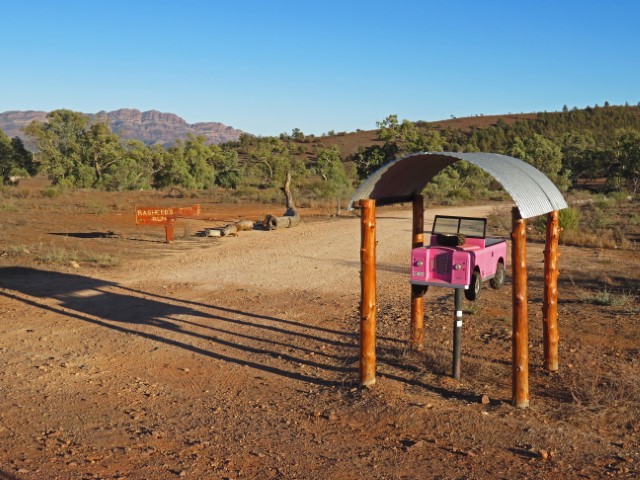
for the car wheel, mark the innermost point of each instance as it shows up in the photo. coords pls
(498, 280)
(473, 292)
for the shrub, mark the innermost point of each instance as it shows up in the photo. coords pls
(569, 218)
(52, 192)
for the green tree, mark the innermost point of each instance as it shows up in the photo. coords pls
(134, 171)
(7, 165)
(579, 155)
(102, 150)
(15, 160)
(60, 142)
(22, 157)
(544, 155)
(229, 172)
(331, 169)
(273, 158)
(625, 161)
(399, 139)
(199, 159)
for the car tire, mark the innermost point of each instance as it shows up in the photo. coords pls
(473, 292)
(498, 280)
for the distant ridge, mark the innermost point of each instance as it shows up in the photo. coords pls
(151, 127)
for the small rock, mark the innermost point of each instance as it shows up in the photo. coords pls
(485, 400)
(185, 370)
(543, 454)
(74, 264)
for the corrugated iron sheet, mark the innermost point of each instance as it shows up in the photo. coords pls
(402, 179)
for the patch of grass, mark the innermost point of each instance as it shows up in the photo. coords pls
(601, 202)
(619, 197)
(64, 256)
(608, 298)
(95, 207)
(60, 256)
(8, 207)
(605, 387)
(583, 239)
(602, 218)
(52, 192)
(102, 260)
(569, 218)
(16, 250)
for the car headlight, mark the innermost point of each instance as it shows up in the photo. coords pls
(457, 266)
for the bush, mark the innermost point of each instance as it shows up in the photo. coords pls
(569, 218)
(52, 192)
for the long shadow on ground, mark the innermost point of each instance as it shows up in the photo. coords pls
(194, 326)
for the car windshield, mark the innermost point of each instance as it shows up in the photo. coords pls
(470, 227)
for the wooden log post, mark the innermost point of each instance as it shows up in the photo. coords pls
(520, 333)
(169, 231)
(368, 293)
(550, 302)
(417, 291)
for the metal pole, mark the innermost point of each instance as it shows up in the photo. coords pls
(368, 293)
(457, 334)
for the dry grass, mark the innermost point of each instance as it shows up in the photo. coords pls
(69, 257)
(578, 238)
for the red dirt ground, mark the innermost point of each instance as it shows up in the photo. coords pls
(125, 357)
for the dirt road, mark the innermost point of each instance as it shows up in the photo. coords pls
(237, 358)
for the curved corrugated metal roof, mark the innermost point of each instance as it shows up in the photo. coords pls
(402, 179)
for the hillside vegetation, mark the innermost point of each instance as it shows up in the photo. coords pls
(595, 145)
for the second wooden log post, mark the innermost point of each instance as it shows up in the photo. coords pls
(520, 328)
(368, 293)
(550, 302)
(417, 291)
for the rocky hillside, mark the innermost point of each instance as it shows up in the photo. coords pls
(151, 127)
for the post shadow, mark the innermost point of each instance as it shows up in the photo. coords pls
(99, 302)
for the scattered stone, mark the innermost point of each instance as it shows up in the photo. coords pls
(74, 264)
(543, 454)
(485, 400)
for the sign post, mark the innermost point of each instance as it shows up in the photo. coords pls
(164, 216)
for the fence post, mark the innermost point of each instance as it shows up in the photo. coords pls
(417, 291)
(550, 302)
(520, 333)
(368, 293)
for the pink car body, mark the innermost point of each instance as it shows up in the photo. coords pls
(459, 256)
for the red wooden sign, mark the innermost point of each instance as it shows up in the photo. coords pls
(164, 216)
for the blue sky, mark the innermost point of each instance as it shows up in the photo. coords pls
(267, 67)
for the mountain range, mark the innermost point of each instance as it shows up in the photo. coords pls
(151, 127)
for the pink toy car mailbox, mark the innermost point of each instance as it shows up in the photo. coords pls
(460, 255)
